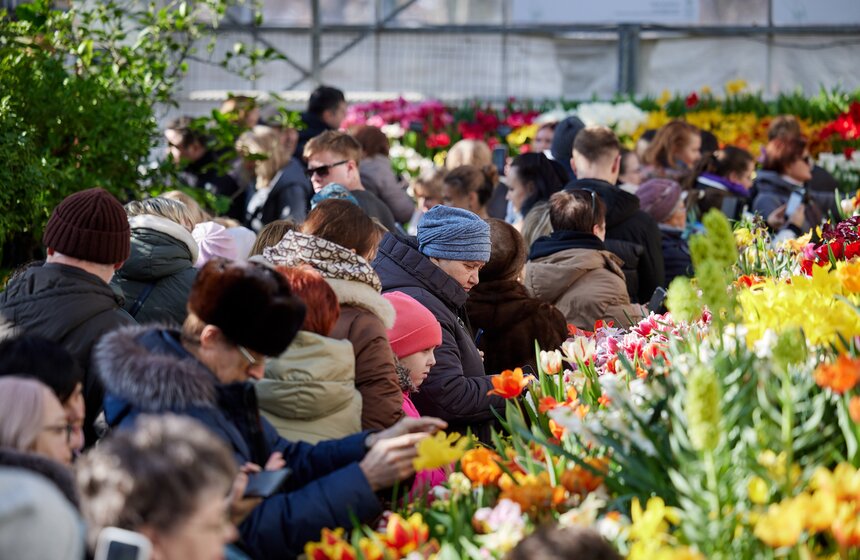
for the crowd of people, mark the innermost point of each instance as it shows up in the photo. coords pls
(160, 357)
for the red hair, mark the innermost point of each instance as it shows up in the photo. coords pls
(323, 310)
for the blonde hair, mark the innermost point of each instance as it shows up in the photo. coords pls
(195, 212)
(536, 224)
(336, 142)
(428, 185)
(22, 401)
(469, 152)
(264, 141)
(173, 210)
(227, 222)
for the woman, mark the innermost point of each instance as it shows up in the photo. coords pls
(532, 179)
(722, 179)
(338, 240)
(470, 188)
(271, 234)
(309, 391)
(664, 200)
(167, 479)
(157, 277)
(786, 168)
(282, 190)
(33, 420)
(500, 307)
(453, 246)
(543, 138)
(478, 154)
(51, 364)
(674, 152)
(629, 171)
(377, 175)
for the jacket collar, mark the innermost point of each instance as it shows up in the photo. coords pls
(149, 369)
(167, 227)
(563, 240)
(409, 266)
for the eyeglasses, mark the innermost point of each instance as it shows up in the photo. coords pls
(252, 361)
(323, 170)
(59, 429)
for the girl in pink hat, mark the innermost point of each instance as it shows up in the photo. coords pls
(415, 335)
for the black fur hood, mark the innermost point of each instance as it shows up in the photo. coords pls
(148, 368)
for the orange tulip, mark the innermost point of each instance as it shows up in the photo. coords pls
(509, 384)
(481, 466)
(546, 404)
(854, 409)
(840, 376)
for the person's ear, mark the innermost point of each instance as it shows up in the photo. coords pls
(210, 336)
(118, 266)
(151, 534)
(473, 201)
(616, 165)
(573, 164)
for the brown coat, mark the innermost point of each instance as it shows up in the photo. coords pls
(512, 321)
(364, 316)
(585, 285)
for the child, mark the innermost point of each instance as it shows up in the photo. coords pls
(414, 336)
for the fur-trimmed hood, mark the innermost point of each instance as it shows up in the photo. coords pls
(358, 294)
(148, 369)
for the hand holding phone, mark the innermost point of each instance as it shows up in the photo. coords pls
(118, 544)
(264, 484)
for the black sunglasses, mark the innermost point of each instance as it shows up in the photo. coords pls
(593, 200)
(323, 170)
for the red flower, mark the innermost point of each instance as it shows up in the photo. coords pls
(440, 140)
(692, 100)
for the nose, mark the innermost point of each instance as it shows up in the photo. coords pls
(257, 371)
(431, 360)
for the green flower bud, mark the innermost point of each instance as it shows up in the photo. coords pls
(703, 408)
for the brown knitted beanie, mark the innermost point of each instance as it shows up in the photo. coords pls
(90, 225)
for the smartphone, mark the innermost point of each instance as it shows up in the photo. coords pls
(657, 299)
(264, 484)
(500, 156)
(118, 544)
(794, 200)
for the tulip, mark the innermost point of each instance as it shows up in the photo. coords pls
(509, 384)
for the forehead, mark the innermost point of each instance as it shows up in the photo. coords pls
(325, 157)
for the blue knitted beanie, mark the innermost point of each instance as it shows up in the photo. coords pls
(333, 190)
(454, 234)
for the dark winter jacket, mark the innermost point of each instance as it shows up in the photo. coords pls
(289, 199)
(512, 321)
(378, 177)
(676, 253)
(147, 371)
(156, 279)
(772, 191)
(713, 191)
(71, 307)
(626, 222)
(456, 388)
(204, 174)
(375, 208)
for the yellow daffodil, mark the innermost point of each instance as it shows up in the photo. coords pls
(757, 489)
(734, 87)
(439, 450)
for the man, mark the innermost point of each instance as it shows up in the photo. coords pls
(188, 149)
(630, 233)
(326, 110)
(333, 157)
(571, 268)
(239, 313)
(68, 299)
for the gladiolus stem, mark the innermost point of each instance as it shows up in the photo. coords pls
(787, 428)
